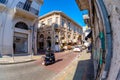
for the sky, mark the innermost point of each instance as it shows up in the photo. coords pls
(69, 7)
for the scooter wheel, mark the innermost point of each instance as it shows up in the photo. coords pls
(46, 64)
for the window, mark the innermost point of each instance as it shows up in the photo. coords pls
(68, 36)
(56, 36)
(63, 22)
(50, 21)
(69, 25)
(27, 5)
(78, 30)
(75, 28)
(74, 37)
(48, 32)
(42, 23)
(21, 25)
(62, 38)
(56, 21)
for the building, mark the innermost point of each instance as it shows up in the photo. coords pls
(17, 22)
(104, 22)
(57, 31)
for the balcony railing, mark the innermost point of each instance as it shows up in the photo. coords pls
(31, 9)
(3, 1)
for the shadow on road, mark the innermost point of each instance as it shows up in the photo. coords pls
(58, 60)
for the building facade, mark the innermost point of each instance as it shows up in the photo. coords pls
(104, 22)
(57, 31)
(17, 22)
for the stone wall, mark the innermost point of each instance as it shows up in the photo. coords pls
(113, 7)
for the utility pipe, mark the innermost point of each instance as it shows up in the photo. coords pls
(105, 18)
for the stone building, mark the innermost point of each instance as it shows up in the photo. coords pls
(104, 21)
(57, 31)
(17, 22)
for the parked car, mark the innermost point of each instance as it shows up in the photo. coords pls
(77, 49)
(86, 44)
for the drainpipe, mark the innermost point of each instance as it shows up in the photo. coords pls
(105, 18)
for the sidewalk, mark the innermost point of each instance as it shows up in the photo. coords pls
(4, 60)
(80, 68)
(18, 59)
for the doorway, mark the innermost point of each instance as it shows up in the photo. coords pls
(49, 42)
(20, 44)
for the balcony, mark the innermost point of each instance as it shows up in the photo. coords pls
(30, 13)
(3, 4)
(83, 4)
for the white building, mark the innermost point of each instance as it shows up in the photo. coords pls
(17, 22)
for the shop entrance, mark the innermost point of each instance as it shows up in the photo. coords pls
(20, 44)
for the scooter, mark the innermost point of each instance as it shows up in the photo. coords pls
(49, 58)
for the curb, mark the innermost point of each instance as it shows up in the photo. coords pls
(13, 62)
(16, 62)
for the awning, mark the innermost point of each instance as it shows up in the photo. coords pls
(89, 35)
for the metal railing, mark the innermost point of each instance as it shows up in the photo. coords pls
(3, 1)
(31, 9)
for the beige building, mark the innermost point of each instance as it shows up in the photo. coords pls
(17, 23)
(57, 31)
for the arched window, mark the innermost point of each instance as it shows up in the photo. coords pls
(49, 38)
(21, 25)
(41, 37)
(56, 36)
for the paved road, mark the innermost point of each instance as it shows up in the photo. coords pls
(34, 70)
(25, 71)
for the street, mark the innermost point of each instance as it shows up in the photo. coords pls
(24, 71)
(35, 70)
